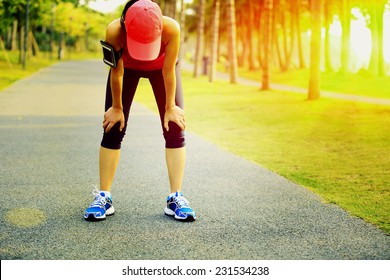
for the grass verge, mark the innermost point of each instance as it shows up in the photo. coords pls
(10, 74)
(357, 84)
(337, 149)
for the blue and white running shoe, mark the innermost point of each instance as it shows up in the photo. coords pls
(178, 207)
(100, 208)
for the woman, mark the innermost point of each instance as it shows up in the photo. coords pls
(143, 44)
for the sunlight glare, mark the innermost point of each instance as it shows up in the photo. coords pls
(360, 44)
(360, 39)
(386, 36)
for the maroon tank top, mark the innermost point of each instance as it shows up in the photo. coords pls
(134, 64)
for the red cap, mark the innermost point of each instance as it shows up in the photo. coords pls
(143, 23)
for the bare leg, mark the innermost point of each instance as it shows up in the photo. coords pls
(108, 161)
(175, 163)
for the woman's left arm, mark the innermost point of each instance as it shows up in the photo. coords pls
(172, 112)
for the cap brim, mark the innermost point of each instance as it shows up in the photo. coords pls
(140, 51)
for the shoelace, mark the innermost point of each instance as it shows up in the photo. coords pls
(99, 200)
(182, 201)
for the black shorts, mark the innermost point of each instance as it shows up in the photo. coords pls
(174, 138)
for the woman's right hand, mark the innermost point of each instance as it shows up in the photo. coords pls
(111, 117)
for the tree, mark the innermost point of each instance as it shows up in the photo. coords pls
(377, 63)
(278, 20)
(346, 33)
(232, 42)
(199, 39)
(296, 10)
(315, 49)
(169, 8)
(26, 28)
(182, 28)
(265, 85)
(327, 23)
(214, 40)
(250, 34)
(13, 21)
(246, 24)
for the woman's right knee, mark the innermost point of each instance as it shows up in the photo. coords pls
(113, 139)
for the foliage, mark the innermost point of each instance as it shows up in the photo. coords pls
(287, 53)
(49, 20)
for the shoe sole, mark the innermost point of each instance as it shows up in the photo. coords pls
(92, 218)
(170, 213)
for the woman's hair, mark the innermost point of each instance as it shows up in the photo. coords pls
(127, 6)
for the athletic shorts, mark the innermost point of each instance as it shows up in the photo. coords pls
(174, 138)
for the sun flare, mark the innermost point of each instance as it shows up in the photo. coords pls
(360, 39)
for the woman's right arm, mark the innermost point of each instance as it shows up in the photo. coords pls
(115, 113)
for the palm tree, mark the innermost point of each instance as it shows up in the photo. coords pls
(233, 71)
(265, 85)
(290, 30)
(327, 23)
(182, 28)
(251, 33)
(315, 49)
(214, 40)
(169, 8)
(377, 64)
(346, 26)
(297, 13)
(199, 39)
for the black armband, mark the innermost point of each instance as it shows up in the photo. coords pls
(110, 56)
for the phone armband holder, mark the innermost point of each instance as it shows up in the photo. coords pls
(110, 56)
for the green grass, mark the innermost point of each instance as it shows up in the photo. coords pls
(11, 74)
(357, 84)
(338, 149)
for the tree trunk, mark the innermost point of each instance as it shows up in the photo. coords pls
(52, 21)
(275, 34)
(293, 18)
(26, 31)
(301, 57)
(182, 29)
(21, 45)
(199, 40)
(377, 64)
(232, 45)
(170, 8)
(242, 22)
(265, 85)
(346, 34)
(260, 42)
(327, 23)
(14, 45)
(251, 41)
(214, 41)
(379, 26)
(315, 49)
(285, 63)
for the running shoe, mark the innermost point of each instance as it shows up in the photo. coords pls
(177, 206)
(100, 208)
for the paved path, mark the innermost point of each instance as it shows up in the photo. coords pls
(50, 133)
